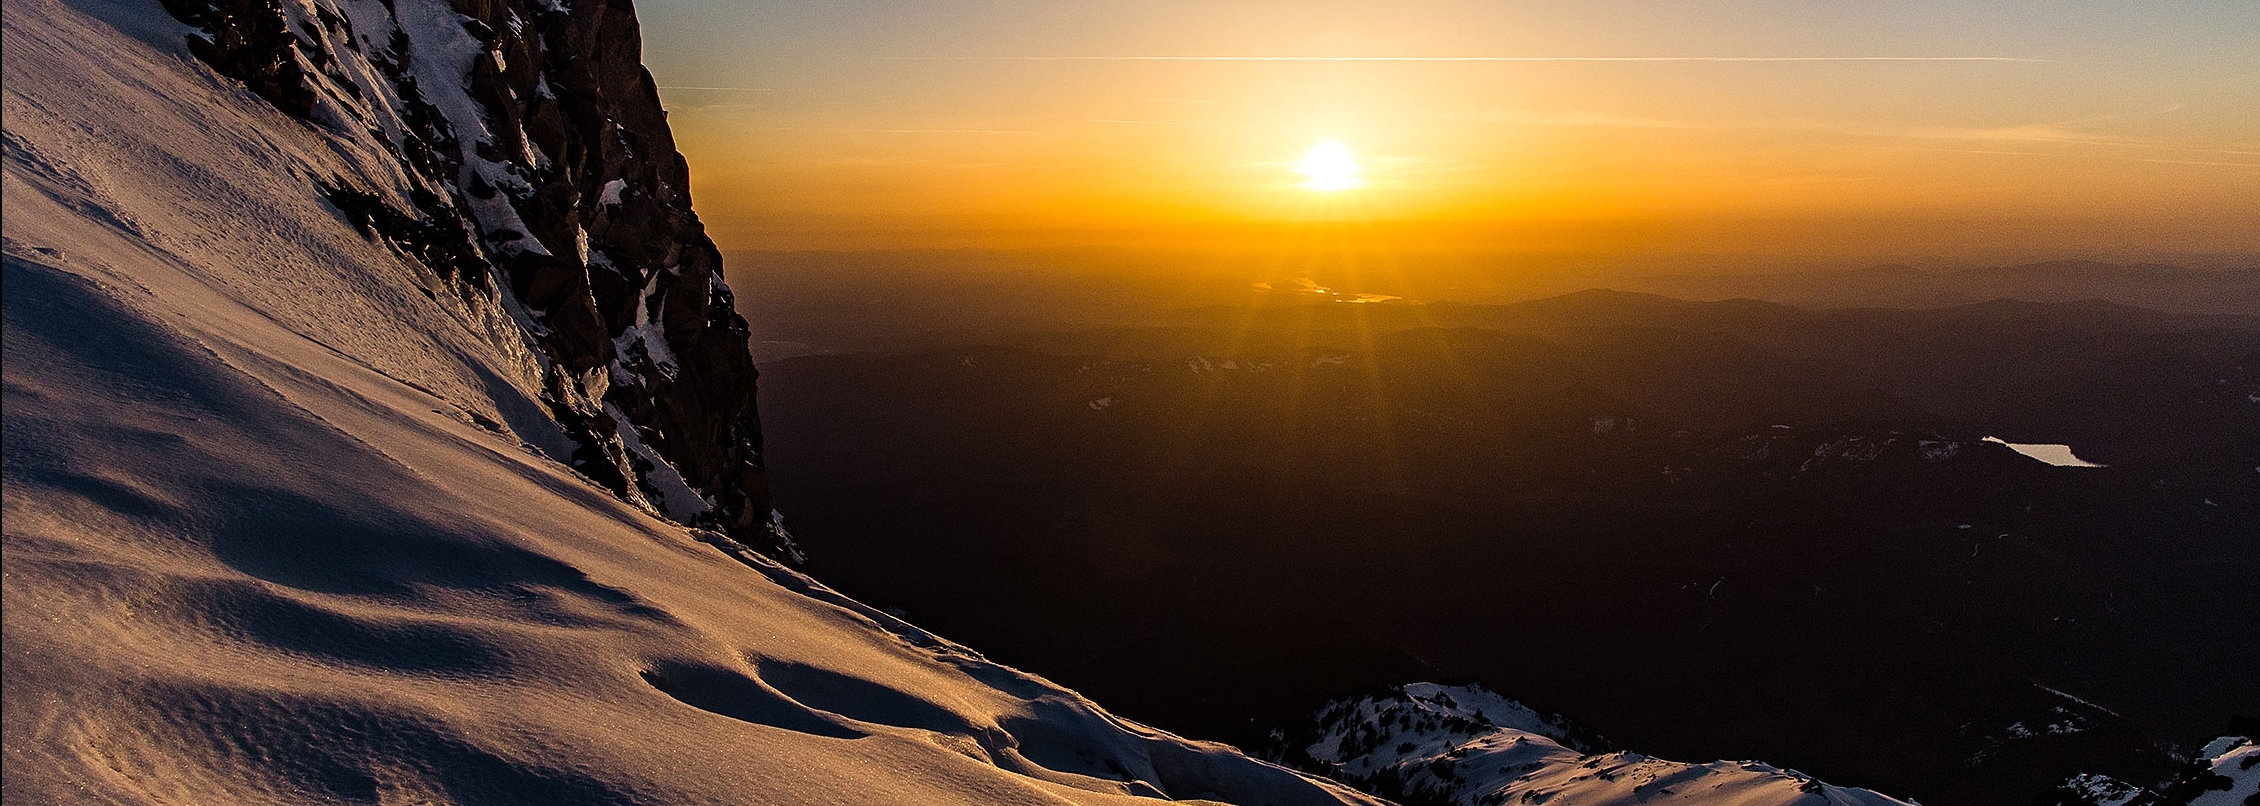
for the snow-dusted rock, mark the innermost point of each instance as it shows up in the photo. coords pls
(2226, 772)
(1467, 746)
(516, 150)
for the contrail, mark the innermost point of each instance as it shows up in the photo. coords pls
(1177, 123)
(1456, 59)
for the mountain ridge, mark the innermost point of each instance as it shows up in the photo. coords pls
(536, 175)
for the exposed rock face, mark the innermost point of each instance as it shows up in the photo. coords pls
(534, 152)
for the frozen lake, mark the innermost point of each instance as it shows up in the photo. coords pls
(2058, 455)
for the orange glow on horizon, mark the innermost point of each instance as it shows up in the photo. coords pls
(1868, 158)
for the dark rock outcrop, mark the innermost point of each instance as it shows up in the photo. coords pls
(248, 40)
(543, 184)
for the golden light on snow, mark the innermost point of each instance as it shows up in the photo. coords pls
(1329, 167)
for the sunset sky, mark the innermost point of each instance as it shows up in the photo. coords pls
(2051, 129)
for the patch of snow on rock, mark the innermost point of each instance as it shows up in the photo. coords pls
(1467, 746)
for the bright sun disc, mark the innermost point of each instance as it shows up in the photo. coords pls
(1330, 167)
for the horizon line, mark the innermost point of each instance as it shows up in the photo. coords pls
(1458, 59)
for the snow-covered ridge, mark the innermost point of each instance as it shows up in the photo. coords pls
(1466, 746)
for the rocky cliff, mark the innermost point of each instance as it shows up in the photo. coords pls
(538, 183)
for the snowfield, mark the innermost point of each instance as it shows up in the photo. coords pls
(283, 528)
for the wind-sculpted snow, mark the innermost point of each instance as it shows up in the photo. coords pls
(289, 519)
(1463, 745)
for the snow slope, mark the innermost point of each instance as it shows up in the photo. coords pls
(1466, 746)
(282, 528)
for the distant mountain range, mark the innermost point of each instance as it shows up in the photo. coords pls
(2162, 287)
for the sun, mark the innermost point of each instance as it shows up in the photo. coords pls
(1329, 167)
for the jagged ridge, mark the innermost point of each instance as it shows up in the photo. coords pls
(534, 150)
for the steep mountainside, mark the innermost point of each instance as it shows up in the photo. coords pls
(317, 481)
(528, 165)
